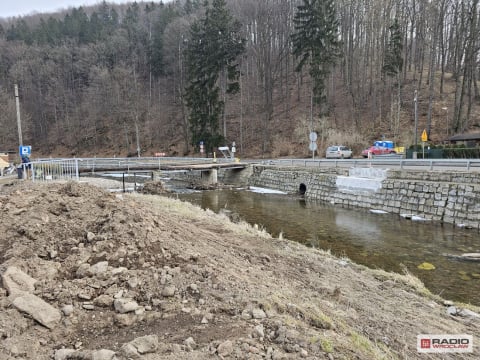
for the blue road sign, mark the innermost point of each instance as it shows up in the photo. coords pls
(25, 150)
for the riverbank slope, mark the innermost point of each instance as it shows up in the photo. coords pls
(141, 276)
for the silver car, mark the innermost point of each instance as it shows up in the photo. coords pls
(338, 152)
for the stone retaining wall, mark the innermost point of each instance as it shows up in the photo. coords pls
(449, 197)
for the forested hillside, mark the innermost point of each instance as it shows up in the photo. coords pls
(111, 79)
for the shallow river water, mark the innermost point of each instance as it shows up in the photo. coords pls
(383, 241)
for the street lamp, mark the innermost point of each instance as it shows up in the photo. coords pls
(19, 123)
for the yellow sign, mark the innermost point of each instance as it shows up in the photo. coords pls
(424, 135)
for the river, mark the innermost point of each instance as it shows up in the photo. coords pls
(384, 241)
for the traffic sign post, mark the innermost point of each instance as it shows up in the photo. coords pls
(234, 149)
(424, 135)
(25, 150)
(313, 143)
(424, 139)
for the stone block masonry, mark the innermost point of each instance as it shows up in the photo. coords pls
(448, 197)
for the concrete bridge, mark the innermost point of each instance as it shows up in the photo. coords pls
(54, 169)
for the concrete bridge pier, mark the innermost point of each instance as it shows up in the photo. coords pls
(209, 177)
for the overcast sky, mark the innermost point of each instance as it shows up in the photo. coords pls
(9, 8)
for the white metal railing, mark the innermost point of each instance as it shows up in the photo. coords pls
(54, 169)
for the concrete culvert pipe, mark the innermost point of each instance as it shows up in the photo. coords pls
(302, 189)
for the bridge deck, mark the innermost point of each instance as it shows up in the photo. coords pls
(206, 166)
(162, 166)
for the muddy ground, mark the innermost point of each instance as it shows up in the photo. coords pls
(90, 274)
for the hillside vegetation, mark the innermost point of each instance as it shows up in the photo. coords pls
(110, 79)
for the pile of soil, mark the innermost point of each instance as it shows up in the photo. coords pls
(153, 188)
(88, 274)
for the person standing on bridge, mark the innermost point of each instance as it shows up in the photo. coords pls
(26, 165)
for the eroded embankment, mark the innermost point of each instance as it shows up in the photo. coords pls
(154, 278)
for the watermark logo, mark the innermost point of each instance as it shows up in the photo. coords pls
(427, 343)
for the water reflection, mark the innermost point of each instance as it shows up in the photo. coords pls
(377, 240)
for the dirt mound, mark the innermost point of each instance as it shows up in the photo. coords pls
(90, 274)
(153, 188)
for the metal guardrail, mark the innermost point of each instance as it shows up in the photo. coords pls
(386, 161)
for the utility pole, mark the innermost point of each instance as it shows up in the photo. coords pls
(19, 123)
(138, 138)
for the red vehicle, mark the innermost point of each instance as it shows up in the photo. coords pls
(377, 150)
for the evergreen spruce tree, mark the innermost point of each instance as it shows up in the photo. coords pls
(214, 46)
(20, 31)
(316, 43)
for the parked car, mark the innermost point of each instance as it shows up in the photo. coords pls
(378, 150)
(338, 152)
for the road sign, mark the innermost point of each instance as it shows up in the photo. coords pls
(313, 136)
(424, 135)
(313, 146)
(25, 150)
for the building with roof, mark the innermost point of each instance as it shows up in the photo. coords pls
(469, 140)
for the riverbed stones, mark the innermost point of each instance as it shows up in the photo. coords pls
(103, 300)
(258, 332)
(38, 309)
(16, 282)
(225, 348)
(90, 236)
(190, 343)
(20, 287)
(98, 268)
(83, 270)
(258, 314)
(67, 310)
(126, 320)
(168, 291)
(140, 346)
(67, 354)
(125, 305)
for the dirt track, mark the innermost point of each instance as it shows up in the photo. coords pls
(189, 284)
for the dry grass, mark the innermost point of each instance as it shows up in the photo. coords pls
(282, 147)
(187, 210)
